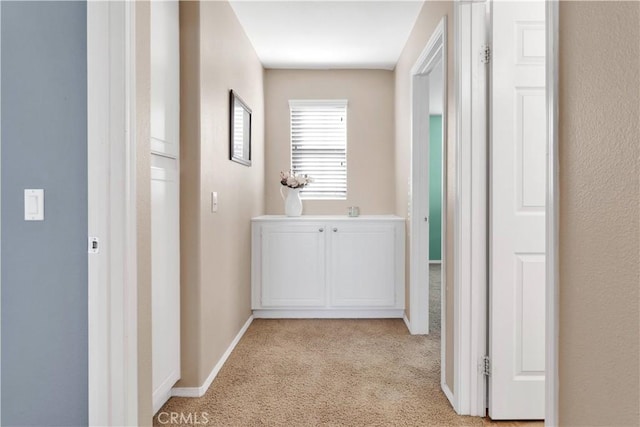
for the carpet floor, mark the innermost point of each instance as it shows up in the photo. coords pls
(311, 372)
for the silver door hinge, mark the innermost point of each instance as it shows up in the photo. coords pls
(485, 367)
(485, 54)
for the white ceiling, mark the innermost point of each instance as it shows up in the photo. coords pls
(328, 34)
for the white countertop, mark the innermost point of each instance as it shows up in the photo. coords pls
(328, 218)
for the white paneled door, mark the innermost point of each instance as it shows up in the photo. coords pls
(518, 174)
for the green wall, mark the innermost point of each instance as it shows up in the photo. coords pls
(435, 187)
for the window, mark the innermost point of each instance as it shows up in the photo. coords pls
(319, 147)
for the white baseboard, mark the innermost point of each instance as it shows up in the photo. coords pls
(447, 392)
(200, 391)
(329, 314)
(435, 261)
(407, 322)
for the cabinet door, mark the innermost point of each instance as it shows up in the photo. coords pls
(362, 265)
(165, 278)
(165, 78)
(293, 265)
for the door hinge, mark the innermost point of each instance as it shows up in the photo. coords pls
(485, 54)
(485, 366)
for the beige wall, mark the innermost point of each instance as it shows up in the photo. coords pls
(143, 208)
(430, 16)
(190, 192)
(370, 133)
(216, 56)
(599, 213)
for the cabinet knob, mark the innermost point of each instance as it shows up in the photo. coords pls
(321, 229)
(335, 230)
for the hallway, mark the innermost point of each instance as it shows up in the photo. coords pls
(328, 372)
(346, 372)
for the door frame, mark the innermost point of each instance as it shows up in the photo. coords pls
(470, 33)
(0, 215)
(434, 53)
(552, 295)
(111, 160)
(471, 219)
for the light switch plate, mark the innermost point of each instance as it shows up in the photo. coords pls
(214, 201)
(34, 205)
(94, 245)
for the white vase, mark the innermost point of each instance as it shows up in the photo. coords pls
(292, 202)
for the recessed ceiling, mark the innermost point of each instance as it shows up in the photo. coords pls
(328, 34)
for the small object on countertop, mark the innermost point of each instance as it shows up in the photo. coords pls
(354, 211)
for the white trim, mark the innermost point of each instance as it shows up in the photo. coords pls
(0, 216)
(433, 53)
(318, 102)
(552, 378)
(450, 396)
(200, 391)
(418, 224)
(406, 322)
(329, 314)
(435, 261)
(130, 253)
(164, 391)
(462, 11)
(470, 230)
(112, 280)
(430, 54)
(97, 131)
(479, 217)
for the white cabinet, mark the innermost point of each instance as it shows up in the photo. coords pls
(165, 279)
(328, 266)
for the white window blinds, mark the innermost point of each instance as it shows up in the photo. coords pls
(319, 146)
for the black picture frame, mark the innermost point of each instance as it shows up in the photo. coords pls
(239, 130)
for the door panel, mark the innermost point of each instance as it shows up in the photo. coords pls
(361, 267)
(293, 266)
(165, 77)
(518, 193)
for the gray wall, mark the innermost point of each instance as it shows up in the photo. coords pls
(44, 264)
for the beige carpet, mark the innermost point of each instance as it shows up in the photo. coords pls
(328, 373)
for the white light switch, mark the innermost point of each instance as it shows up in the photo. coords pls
(214, 201)
(34, 205)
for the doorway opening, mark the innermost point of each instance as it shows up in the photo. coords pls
(427, 214)
(435, 196)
